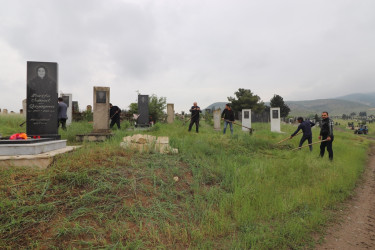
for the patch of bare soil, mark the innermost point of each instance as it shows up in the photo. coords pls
(356, 226)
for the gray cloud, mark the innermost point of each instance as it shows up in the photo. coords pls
(190, 50)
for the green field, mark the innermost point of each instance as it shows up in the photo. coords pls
(234, 192)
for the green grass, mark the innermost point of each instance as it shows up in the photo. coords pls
(234, 192)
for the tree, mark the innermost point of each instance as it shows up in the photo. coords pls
(362, 113)
(156, 107)
(278, 101)
(245, 99)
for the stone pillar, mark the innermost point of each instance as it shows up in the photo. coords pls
(275, 119)
(217, 119)
(246, 119)
(42, 89)
(24, 105)
(67, 98)
(170, 113)
(5, 111)
(101, 110)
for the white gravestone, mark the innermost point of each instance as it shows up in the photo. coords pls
(275, 119)
(170, 113)
(67, 99)
(217, 119)
(246, 119)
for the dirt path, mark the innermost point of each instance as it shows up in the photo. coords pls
(356, 226)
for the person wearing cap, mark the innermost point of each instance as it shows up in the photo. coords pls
(228, 116)
(306, 129)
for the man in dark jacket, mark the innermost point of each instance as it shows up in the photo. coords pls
(306, 129)
(195, 110)
(61, 113)
(228, 116)
(326, 133)
(114, 113)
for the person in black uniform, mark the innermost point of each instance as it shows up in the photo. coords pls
(195, 110)
(306, 129)
(326, 133)
(114, 113)
(228, 116)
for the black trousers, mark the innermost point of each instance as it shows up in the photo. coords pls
(115, 121)
(63, 123)
(196, 125)
(304, 138)
(328, 145)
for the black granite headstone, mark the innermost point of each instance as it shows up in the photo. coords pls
(143, 119)
(42, 92)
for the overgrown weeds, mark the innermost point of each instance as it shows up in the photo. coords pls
(237, 191)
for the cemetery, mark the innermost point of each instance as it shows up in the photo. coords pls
(150, 185)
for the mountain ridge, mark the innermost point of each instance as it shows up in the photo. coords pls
(357, 102)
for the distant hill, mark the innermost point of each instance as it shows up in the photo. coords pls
(366, 99)
(332, 106)
(335, 106)
(217, 105)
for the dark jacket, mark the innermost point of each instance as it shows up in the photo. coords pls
(61, 111)
(228, 115)
(195, 112)
(326, 128)
(306, 128)
(112, 113)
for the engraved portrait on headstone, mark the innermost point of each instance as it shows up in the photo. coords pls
(41, 108)
(101, 97)
(246, 114)
(275, 114)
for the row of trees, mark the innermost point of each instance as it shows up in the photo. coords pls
(354, 114)
(245, 99)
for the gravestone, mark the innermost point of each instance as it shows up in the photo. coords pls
(170, 113)
(101, 110)
(88, 108)
(21, 111)
(5, 111)
(217, 119)
(75, 107)
(275, 119)
(24, 105)
(246, 119)
(67, 99)
(41, 108)
(143, 119)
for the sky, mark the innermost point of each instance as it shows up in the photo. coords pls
(190, 50)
